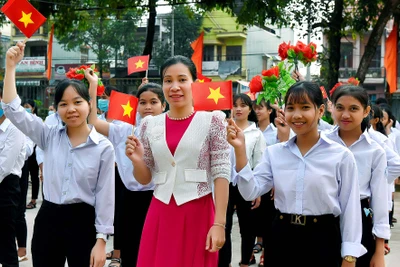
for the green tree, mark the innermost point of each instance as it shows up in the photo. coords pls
(108, 37)
(186, 24)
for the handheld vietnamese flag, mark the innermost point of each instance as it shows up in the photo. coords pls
(251, 95)
(212, 95)
(203, 79)
(122, 107)
(50, 52)
(138, 64)
(197, 57)
(25, 17)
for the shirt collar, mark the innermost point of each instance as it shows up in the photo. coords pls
(322, 138)
(4, 125)
(94, 136)
(364, 135)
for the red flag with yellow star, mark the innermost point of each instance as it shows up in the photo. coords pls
(122, 107)
(25, 17)
(212, 95)
(203, 79)
(138, 64)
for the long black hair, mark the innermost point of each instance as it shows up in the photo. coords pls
(247, 101)
(376, 113)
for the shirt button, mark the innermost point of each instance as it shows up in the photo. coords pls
(69, 164)
(64, 193)
(173, 164)
(71, 151)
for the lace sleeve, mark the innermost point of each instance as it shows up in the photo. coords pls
(219, 148)
(148, 155)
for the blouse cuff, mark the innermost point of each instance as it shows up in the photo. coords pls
(381, 231)
(246, 173)
(14, 104)
(353, 249)
(104, 229)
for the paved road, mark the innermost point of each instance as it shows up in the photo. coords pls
(392, 260)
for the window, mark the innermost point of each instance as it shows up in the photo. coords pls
(38, 51)
(208, 53)
(376, 60)
(233, 53)
(346, 55)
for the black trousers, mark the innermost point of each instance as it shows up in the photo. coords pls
(63, 232)
(34, 173)
(265, 215)
(9, 199)
(21, 227)
(367, 239)
(119, 192)
(315, 244)
(246, 218)
(133, 215)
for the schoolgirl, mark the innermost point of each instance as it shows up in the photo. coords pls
(350, 111)
(246, 119)
(79, 194)
(317, 200)
(266, 115)
(183, 152)
(136, 198)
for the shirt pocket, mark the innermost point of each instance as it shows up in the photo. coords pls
(159, 177)
(196, 176)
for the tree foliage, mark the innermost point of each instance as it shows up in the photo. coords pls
(186, 24)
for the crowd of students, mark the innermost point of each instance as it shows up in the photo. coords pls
(168, 187)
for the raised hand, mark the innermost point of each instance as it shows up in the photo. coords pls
(15, 54)
(91, 76)
(235, 135)
(134, 149)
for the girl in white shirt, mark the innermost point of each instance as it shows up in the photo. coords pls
(351, 112)
(315, 183)
(78, 171)
(245, 118)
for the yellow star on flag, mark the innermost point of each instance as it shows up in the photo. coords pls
(201, 81)
(127, 109)
(26, 19)
(215, 94)
(139, 64)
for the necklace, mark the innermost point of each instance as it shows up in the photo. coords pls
(180, 119)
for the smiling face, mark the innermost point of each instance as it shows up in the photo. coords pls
(150, 104)
(177, 82)
(241, 111)
(73, 109)
(348, 112)
(302, 116)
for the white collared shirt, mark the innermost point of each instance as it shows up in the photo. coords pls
(323, 181)
(12, 150)
(53, 119)
(72, 174)
(270, 135)
(371, 165)
(117, 134)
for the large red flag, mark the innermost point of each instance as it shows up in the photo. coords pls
(50, 52)
(122, 107)
(138, 64)
(197, 57)
(25, 17)
(391, 59)
(212, 95)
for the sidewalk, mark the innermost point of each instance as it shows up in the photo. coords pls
(392, 260)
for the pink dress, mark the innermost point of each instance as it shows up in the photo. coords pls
(176, 235)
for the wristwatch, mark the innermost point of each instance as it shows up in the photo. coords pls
(350, 259)
(102, 236)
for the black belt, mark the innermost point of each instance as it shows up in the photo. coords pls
(303, 220)
(365, 203)
(47, 203)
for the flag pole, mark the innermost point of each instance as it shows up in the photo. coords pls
(147, 71)
(25, 40)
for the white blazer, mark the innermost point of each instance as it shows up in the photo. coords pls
(201, 156)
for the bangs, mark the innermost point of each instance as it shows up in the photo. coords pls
(298, 95)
